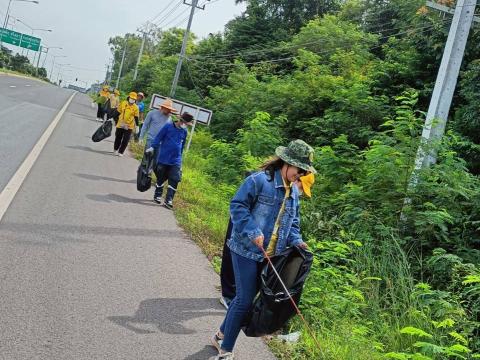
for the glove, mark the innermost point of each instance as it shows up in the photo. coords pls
(149, 150)
(136, 130)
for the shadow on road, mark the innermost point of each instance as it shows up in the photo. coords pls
(168, 315)
(104, 178)
(85, 117)
(108, 198)
(208, 352)
(51, 233)
(89, 149)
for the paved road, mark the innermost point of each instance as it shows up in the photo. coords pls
(26, 108)
(92, 269)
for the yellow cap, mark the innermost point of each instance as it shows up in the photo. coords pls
(133, 95)
(307, 183)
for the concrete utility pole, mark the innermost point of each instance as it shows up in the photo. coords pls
(111, 71)
(447, 77)
(121, 64)
(38, 60)
(107, 75)
(144, 39)
(184, 46)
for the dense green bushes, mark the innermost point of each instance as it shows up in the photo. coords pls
(383, 285)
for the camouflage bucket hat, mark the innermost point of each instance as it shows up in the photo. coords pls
(298, 153)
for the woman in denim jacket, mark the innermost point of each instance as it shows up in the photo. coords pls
(265, 214)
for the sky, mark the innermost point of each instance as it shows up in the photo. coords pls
(82, 27)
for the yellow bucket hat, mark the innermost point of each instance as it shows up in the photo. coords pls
(133, 95)
(307, 183)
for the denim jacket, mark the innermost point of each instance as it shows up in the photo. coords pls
(254, 210)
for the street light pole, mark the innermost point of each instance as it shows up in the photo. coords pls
(31, 29)
(60, 67)
(7, 15)
(53, 64)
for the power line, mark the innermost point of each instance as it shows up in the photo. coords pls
(161, 22)
(275, 48)
(164, 9)
(313, 42)
(425, 29)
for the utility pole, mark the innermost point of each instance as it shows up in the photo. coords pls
(144, 39)
(121, 64)
(111, 71)
(38, 60)
(107, 75)
(184, 45)
(446, 82)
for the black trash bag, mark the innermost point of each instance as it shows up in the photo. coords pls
(104, 131)
(144, 172)
(272, 307)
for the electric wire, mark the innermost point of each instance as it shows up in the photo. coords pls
(230, 64)
(162, 11)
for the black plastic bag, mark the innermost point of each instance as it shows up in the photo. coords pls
(144, 172)
(104, 131)
(272, 307)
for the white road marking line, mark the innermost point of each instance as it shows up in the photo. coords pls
(28, 85)
(12, 86)
(8, 194)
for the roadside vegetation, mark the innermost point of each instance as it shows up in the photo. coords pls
(392, 279)
(19, 64)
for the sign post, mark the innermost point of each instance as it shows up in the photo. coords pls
(202, 116)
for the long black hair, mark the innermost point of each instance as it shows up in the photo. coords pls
(271, 165)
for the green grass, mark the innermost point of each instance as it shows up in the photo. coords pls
(17, 73)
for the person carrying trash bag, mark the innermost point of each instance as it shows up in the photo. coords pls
(127, 122)
(102, 99)
(170, 142)
(265, 217)
(227, 278)
(114, 101)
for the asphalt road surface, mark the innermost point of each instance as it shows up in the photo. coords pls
(89, 267)
(26, 109)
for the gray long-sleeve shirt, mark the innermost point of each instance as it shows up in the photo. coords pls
(152, 125)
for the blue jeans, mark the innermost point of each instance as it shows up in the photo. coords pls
(247, 273)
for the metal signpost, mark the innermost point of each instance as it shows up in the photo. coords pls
(200, 115)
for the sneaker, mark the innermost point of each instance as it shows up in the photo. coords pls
(115, 152)
(217, 341)
(225, 356)
(169, 204)
(158, 200)
(225, 302)
(121, 155)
